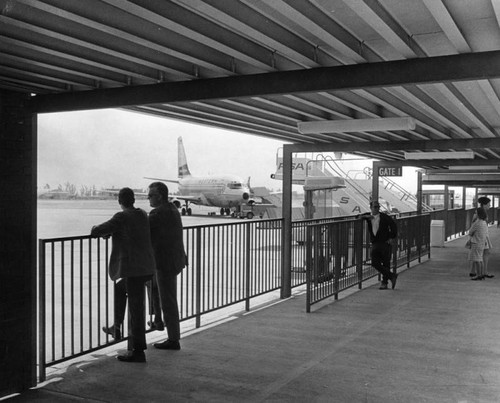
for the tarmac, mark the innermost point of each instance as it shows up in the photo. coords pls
(434, 338)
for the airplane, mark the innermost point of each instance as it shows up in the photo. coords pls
(228, 192)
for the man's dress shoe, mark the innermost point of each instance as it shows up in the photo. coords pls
(168, 345)
(113, 331)
(133, 356)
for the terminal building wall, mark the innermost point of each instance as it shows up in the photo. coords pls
(17, 244)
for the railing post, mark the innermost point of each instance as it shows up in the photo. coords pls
(198, 277)
(41, 310)
(410, 230)
(419, 237)
(308, 268)
(337, 261)
(358, 250)
(247, 267)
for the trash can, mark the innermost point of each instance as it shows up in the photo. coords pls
(437, 233)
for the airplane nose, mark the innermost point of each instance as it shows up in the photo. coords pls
(246, 196)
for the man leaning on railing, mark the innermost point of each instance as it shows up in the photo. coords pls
(132, 260)
(383, 230)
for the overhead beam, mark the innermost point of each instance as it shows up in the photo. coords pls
(470, 66)
(422, 145)
(441, 163)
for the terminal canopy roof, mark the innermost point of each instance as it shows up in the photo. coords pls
(263, 66)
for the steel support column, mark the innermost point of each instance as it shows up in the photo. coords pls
(286, 235)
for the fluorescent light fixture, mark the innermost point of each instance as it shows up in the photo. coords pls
(473, 168)
(356, 125)
(440, 155)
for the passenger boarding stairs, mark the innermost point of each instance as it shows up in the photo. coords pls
(355, 197)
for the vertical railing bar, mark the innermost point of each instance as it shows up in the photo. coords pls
(42, 294)
(183, 292)
(261, 268)
(106, 285)
(247, 269)
(192, 292)
(63, 322)
(210, 267)
(220, 261)
(240, 273)
(268, 260)
(180, 292)
(72, 297)
(207, 289)
(99, 289)
(81, 294)
(242, 280)
(90, 292)
(225, 264)
(215, 258)
(229, 264)
(308, 243)
(198, 277)
(53, 301)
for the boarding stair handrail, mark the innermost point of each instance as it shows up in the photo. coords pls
(337, 170)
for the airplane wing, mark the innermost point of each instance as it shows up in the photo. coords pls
(163, 180)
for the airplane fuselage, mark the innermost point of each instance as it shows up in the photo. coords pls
(221, 191)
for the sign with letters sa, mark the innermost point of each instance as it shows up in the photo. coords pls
(390, 171)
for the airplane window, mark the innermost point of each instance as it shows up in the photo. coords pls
(234, 185)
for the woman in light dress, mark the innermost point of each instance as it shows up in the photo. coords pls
(478, 233)
(484, 202)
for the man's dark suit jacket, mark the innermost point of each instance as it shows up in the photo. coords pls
(131, 252)
(387, 229)
(166, 236)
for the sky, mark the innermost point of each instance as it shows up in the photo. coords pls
(116, 148)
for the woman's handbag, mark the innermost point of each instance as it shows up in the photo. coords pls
(468, 244)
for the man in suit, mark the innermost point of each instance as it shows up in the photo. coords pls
(383, 230)
(168, 245)
(132, 261)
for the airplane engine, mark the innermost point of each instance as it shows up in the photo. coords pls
(177, 203)
(246, 196)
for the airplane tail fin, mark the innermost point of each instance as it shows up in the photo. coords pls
(181, 160)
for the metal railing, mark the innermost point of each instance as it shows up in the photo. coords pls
(228, 264)
(338, 254)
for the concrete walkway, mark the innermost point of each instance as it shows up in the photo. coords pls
(435, 338)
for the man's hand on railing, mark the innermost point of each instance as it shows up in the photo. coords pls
(94, 235)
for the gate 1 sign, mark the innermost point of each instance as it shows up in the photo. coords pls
(390, 171)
